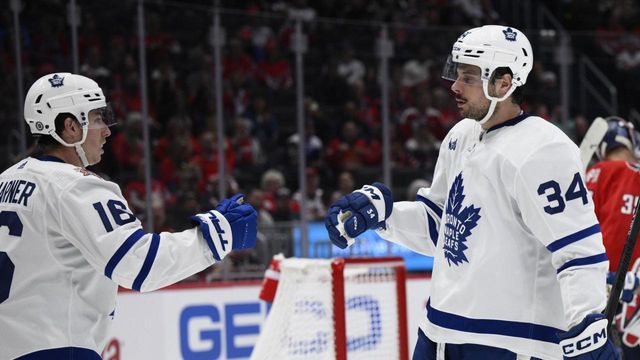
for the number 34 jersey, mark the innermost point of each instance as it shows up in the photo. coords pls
(615, 186)
(67, 240)
(518, 254)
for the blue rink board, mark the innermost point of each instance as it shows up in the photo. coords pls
(367, 244)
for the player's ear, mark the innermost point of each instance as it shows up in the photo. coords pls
(504, 84)
(72, 131)
(501, 85)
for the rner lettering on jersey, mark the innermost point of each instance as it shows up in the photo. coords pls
(16, 191)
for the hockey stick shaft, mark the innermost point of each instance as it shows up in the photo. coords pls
(625, 260)
(592, 139)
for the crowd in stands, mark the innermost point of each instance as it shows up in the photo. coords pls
(342, 105)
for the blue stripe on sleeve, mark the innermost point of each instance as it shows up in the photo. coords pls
(492, 327)
(577, 236)
(64, 353)
(433, 231)
(204, 229)
(148, 262)
(584, 261)
(122, 250)
(435, 208)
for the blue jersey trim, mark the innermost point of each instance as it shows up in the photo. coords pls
(148, 262)
(66, 353)
(433, 231)
(435, 208)
(50, 158)
(122, 250)
(584, 261)
(204, 229)
(493, 327)
(570, 239)
(510, 122)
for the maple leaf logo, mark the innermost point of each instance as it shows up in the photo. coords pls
(86, 172)
(458, 223)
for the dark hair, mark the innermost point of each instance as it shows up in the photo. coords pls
(517, 97)
(46, 142)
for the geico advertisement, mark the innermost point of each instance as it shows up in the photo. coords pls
(221, 322)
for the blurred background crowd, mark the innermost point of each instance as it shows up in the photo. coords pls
(599, 44)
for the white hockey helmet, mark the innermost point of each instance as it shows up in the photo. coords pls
(58, 93)
(490, 47)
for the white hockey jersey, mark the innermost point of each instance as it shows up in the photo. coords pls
(518, 254)
(67, 239)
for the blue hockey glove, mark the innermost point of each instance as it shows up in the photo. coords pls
(232, 225)
(588, 340)
(631, 284)
(353, 214)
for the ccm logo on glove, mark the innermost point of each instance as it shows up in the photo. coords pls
(588, 340)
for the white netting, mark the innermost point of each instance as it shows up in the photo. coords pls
(371, 312)
(301, 325)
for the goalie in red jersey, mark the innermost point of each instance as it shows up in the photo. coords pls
(614, 183)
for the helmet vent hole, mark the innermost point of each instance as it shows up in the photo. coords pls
(525, 52)
(38, 98)
(39, 111)
(525, 64)
(480, 51)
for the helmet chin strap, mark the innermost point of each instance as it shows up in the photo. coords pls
(77, 146)
(82, 155)
(492, 108)
(494, 100)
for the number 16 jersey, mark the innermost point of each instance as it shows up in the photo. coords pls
(67, 240)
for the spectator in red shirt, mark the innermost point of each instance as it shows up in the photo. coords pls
(180, 152)
(351, 151)
(207, 160)
(237, 61)
(127, 146)
(178, 126)
(136, 194)
(248, 151)
(275, 70)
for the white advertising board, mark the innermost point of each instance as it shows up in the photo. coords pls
(219, 322)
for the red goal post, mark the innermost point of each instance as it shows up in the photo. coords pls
(343, 308)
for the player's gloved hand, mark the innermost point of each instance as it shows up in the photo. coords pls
(631, 284)
(352, 214)
(232, 225)
(588, 340)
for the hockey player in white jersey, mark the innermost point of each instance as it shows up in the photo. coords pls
(68, 238)
(519, 266)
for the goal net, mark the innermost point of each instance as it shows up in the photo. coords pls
(339, 309)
